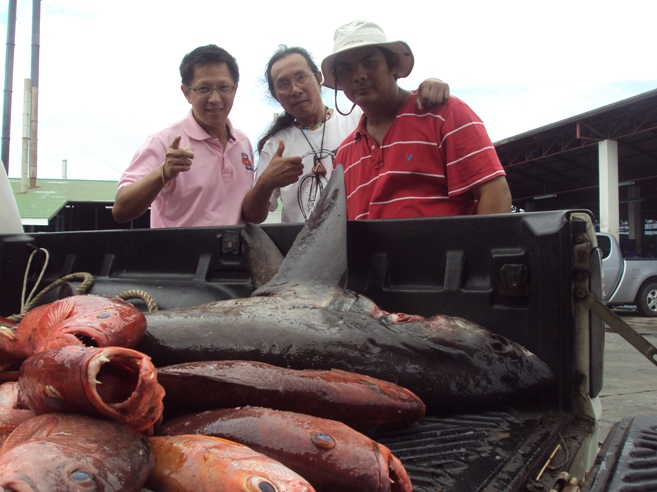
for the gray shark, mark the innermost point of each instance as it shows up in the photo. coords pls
(304, 318)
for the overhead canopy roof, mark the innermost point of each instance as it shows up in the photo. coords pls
(561, 159)
(38, 205)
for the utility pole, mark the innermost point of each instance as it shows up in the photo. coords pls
(9, 77)
(36, 27)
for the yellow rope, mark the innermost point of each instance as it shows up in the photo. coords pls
(87, 280)
(139, 294)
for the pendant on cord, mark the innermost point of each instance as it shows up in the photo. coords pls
(318, 167)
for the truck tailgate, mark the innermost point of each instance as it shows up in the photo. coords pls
(628, 458)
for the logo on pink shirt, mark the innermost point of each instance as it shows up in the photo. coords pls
(247, 162)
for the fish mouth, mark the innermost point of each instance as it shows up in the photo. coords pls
(20, 482)
(392, 474)
(86, 340)
(114, 376)
(80, 336)
(399, 479)
(122, 384)
(7, 333)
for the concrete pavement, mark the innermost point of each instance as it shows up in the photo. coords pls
(630, 380)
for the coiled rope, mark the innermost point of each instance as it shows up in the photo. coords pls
(27, 304)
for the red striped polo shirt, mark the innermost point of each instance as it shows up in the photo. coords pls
(427, 164)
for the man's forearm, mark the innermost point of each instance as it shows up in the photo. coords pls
(494, 197)
(133, 200)
(255, 207)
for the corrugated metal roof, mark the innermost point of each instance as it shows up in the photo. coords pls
(51, 195)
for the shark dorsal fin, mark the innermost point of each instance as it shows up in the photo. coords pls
(263, 258)
(319, 253)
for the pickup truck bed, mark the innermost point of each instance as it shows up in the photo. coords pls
(513, 274)
(487, 451)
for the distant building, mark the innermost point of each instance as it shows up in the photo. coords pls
(76, 205)
(70, 205)
(604, 161)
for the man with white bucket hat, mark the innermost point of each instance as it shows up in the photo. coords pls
(402, 161)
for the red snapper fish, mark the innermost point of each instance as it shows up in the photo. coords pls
(114, 383)
(90, 320)
(362, 402)
(62, 452)
(191, 463)
(329, 454)
(11, 416)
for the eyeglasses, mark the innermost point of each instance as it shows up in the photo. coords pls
(205, 90)
(284, 86)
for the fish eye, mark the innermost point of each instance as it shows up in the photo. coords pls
(322, 441)
(104, 315)
(80, 476)
(260, 484)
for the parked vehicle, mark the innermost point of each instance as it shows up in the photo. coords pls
(628, 281)
(522, 276)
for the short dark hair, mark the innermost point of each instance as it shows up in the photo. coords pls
(204, 55)
(284, 120)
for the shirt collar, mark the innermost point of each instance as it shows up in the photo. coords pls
(361, 129)
(196, 131)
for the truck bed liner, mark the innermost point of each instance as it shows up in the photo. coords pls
(474, 452)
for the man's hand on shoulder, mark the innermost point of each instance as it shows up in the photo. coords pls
(430, 93)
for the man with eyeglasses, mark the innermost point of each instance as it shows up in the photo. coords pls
(197, 171)
(400, 161)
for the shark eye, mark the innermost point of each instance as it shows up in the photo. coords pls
(260, 484)
(498, 343)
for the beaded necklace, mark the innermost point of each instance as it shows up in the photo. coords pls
(318, 167)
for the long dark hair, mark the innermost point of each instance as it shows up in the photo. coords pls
(284, 119)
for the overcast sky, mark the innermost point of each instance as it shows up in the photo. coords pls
(109, 75)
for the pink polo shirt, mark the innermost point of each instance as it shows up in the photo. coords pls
(211, 192)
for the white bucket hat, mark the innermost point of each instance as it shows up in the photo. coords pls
(362, 33)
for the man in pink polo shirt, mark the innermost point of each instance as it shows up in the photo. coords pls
(197, 171)
(402, 161)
